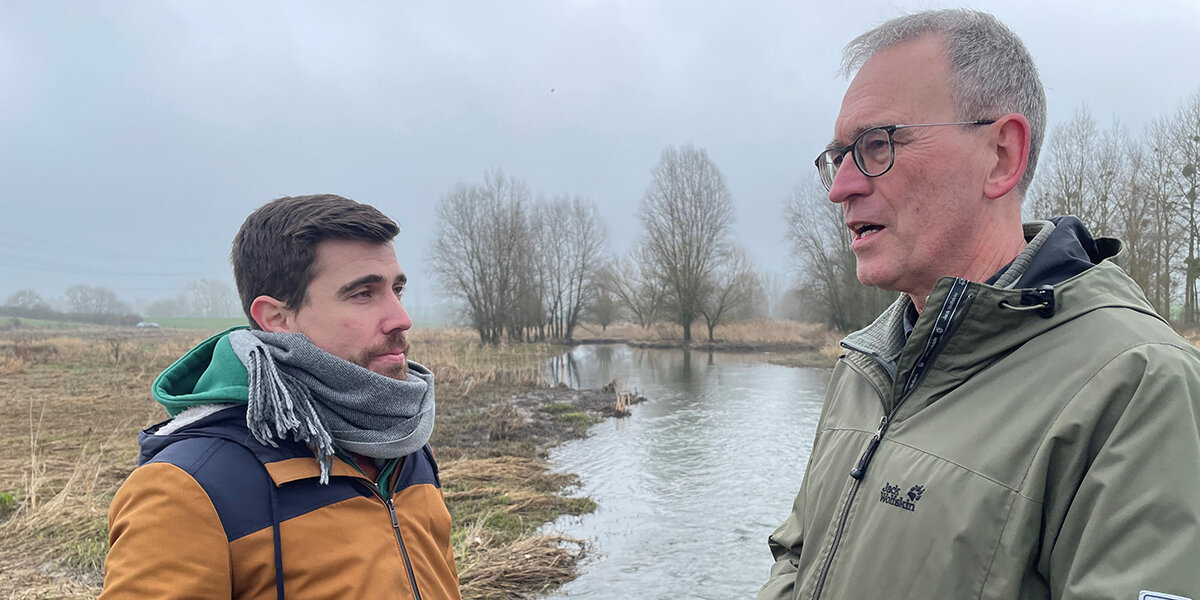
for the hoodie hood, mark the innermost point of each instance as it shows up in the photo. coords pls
(227, 424)
(210, 373)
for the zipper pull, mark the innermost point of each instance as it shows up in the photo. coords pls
(860, 470)
(392, 511)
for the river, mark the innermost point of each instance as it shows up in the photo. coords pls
(689, 487)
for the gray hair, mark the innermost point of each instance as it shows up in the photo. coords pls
(992, 73)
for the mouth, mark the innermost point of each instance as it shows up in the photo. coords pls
(864, 230)
(396, 355)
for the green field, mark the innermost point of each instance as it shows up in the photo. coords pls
(9, 322)
(208, 323)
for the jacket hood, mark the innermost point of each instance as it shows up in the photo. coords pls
(210, 373)
(1068, 251)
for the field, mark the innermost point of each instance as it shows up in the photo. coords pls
(74, 400)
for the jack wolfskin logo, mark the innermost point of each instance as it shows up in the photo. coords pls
(914, 493)
(890, 494)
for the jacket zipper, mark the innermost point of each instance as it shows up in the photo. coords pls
(941, 329)
(403, 551)
(391, 506)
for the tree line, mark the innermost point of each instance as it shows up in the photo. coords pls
(525, 269)
(1142, 190)
(98, 304)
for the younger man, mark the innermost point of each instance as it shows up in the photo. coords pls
(296, 460)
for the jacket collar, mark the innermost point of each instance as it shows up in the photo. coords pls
(1058, 252)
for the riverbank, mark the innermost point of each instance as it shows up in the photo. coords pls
(73, 402)
(789, 343)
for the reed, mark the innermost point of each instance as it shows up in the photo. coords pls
(753, 332)
(75, 400)
(459, 361)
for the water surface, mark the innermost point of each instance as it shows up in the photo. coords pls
(688, 487)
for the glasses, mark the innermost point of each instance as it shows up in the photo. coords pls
(874, 151)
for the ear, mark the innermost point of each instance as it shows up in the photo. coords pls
(1009, 149)
(272, 315)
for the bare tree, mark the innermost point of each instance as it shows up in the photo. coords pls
(571, 241)
(1063, 175)
(97, 300)
(636, 287)
(480, 252)
(27, 299)
(773, 286)
(168, 307)
(604, 309)
(825, 263)
(728, 290)
(687, 214)
(210, 298)
(1182, 153)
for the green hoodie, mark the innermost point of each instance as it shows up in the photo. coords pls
(210, 373)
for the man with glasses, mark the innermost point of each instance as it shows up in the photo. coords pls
(1019, 423)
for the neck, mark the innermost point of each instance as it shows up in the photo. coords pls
(988, 258)
(367, 465)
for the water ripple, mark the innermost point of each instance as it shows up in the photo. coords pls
(688, 487)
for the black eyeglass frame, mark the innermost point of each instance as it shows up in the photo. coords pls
(852, 148)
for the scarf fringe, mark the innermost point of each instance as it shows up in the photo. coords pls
(286, 407)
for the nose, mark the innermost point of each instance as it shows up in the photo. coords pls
(397, 317)
(849, 182)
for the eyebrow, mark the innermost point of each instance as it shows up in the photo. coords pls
(834, 144)
(367, 280)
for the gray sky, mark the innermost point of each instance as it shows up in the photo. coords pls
(137, 136)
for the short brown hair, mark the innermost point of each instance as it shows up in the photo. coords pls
(274, 253)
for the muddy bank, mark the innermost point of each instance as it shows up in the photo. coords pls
(492, 444)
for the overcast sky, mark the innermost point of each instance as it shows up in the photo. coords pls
(136, 136)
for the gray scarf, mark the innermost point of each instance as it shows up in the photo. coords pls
(330, 403)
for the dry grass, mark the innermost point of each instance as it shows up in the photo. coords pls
(497, 504)
(73, 404)
(790, 343)
(72, 411)
(756, 332)
(536, 563)
(461, 362)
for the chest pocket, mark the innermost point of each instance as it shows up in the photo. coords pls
(919, 527)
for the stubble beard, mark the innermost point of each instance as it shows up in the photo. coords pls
(399, 371)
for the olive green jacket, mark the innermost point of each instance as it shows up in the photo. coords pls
(1011, 455)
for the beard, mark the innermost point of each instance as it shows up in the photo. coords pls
(396, 341)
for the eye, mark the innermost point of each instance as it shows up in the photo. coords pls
(362, 294)
(874, 145)
(398, 290)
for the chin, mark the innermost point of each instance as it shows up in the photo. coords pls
(395, 371)
(875, 278)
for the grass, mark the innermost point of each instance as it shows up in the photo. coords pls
(75, 399)
(790, 343)
(576, 419)
(8, 323)
(210, 324)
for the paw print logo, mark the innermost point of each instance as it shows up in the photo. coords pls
(914, 493)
